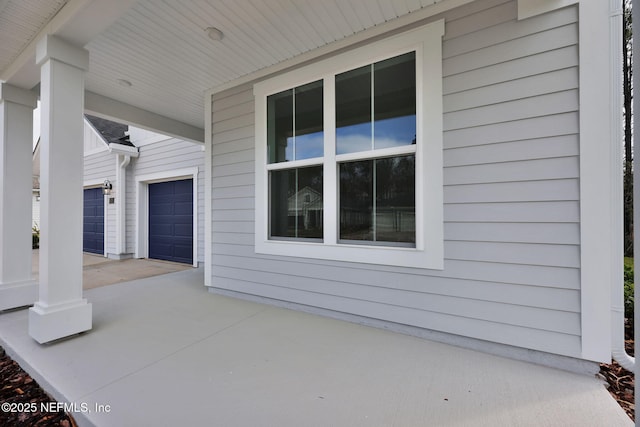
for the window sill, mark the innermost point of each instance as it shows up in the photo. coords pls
(381, 255)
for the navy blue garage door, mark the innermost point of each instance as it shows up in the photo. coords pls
(171, 221)
(93, 221)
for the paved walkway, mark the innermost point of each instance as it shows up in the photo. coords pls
(100, 271)
(165, 352)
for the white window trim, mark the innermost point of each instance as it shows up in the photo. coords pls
(428, 253)
(142, 207)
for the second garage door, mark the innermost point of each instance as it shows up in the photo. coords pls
(171, 221)
(93, 221)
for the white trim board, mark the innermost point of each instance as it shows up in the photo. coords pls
(208, 188)
(142, 207)
(599, 171)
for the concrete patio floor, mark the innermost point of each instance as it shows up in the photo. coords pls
(100, 271)
(164, 352)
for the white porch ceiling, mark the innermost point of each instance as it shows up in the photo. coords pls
(20, 23)
(161, 46)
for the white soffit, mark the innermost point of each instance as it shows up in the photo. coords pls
(20, 22)
(162, 48)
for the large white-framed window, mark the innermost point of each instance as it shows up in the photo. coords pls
(349, 155)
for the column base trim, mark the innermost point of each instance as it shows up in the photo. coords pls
(18, 294)
(49, 323)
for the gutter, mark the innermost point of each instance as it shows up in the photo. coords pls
(127, 150)
(123, 153)
(125, 162)
(618, 351)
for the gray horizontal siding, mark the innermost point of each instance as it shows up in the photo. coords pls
(529, 149)
(521, 191)
(511, 271)
(99, 166)
(513, 274)
(524, 212)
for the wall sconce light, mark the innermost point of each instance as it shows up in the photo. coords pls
(106, 187)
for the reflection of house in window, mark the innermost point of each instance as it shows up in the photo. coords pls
(392, 224)
(305, 209)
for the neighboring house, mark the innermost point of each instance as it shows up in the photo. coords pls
(455, 164)
(304, 210)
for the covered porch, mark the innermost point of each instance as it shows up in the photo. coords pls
(164, 351)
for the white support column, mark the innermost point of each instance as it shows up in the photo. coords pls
(17, 289)
(60, 310)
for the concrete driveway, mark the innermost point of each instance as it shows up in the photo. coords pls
(100, 271)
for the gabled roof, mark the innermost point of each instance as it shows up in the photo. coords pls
(111, 132)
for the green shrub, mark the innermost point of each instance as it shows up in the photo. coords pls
(35, 237)
(628, 291)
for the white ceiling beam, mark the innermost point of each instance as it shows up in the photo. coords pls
(111, 109)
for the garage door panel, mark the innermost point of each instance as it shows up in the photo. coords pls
(171, 221)
(183, 251)
(183, 186)
(93, 221)
(184, 208)
(183, 230)
(161, 209)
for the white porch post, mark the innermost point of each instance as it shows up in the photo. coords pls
(60, 310)
(17, 289)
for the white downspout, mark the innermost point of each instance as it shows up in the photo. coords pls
(618, 351)
(121, 186)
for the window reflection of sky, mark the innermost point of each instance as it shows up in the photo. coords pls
(307, 146)
(393, 132)
(310, 146)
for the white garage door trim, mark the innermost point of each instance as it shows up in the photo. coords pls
(142, 207)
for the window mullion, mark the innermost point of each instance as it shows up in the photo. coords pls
(297, 214)
(373, 113)
(317, 161)
(293, 123)
(330, 173)
(375, 154)
(375, 195)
